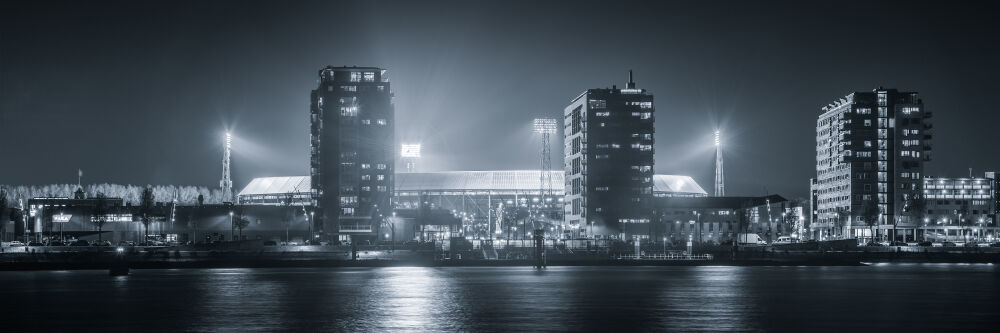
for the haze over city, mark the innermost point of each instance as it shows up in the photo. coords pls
(144, 92)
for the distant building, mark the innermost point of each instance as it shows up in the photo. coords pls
(714, 220)
(60, 218)
(352, 157)
(958, 209)
(870, 154)
(609, 161)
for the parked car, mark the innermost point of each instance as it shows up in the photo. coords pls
(80, 242)
(786, 240)
(102, 243)
(971, 244)
(997, 244)
(948, 244)
(270, 243)
(56, 243)
(874, 244)
(16, 244)
(925, 243)
(126, 243)
(898, 243)
(36, 243)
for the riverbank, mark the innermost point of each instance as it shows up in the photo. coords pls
(177, 259)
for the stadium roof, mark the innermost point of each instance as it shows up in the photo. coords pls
(495, 180)
(500, 180)
(277, 185)
(676, 184)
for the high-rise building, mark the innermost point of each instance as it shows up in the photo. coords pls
(608, 137)
(353, 154)
(870, 154)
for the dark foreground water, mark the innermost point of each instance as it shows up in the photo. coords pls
(885, 298)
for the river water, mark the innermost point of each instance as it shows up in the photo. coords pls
(883, 297)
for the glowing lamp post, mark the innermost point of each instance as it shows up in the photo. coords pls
(720, 187)
(410, 154)
(546, 127)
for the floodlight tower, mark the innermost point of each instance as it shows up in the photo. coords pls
(410, 154)
(546, 127)
(227, 182)
(720, 187)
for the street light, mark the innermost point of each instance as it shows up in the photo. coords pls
(312, 217)
(232, 224)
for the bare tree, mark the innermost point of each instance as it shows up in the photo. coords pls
(289, 213)
(915, 208)
(146, 203)
(99, 214)
(240, 222)
(870, 214)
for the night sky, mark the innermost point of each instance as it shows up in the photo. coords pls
(142, 93)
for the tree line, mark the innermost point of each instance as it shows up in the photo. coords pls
(186, 195)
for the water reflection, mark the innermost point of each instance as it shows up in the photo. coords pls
(514, 299)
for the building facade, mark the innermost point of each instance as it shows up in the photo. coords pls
(958, 209)
(716, 220)
(870, 154)
(608, 138)
(352, 157)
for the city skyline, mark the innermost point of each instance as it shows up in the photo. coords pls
(159, 113)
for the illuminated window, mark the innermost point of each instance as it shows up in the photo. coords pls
(381, 166)
(349, 111)
(381, 122)
(355, 76)
(597, 104)
(369, 76)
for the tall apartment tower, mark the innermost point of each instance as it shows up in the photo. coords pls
(608, 137)
(352, 157)
(870, 154)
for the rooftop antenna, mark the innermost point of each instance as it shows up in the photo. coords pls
(631, 83)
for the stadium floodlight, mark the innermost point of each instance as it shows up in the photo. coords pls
(717, 134)
(545, 125)
(410, 150)
(229, 140)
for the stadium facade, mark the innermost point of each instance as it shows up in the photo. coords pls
(496, 204)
